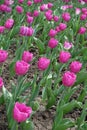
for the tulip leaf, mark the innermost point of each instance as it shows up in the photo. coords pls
(58, 118)
(70, 106)
(7, 94)
(81, 77)
(51, 98)
(28, 125)
(65, 124)
(1, 99)
(40, 45)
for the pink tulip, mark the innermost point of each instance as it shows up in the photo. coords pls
(65, 7)
(8, 2)
(57, 29)
(28, 14)
(21, 112)
(84, 10)
(64, 56)
(56, 18)
(1, 82)
(62, 26)
(78, 11)
(83, 17)
(82, 30)
(29, 3)
(43, 7)
(48, 16)
(21, 67)
(50, 5)
(68, 79)
(5, 8)
(52, 33)
(49, 11)
(66, 16)
(3, 55)
(9, 23)
(26, 31)
(2, 28)
(27, 56)
(19, 9)
(70, 6)
(85, 1)
(52, 43)
(30, 19)
(20, 1)
(81, 1)
(43, 63)
(36, 13)
(67, 45)
(75, 66)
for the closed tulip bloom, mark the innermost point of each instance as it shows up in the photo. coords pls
(50, 5)
(50, 11)
(43, 63)
(3, 7)
(83, 17)
(36, 13)
(30, 19)
(8, 10)
(21, 112)
(78, 11)
(29, 3)
(43, 7)
(1, 82)
(62, 26)
(27, 56)
(84, 10)
(64, 56)
(6, 2)
(68, 79)
(48, 16)
(9, 23)
(21, 67)
(2, 28)
(66, 16)
(52, 43)
(3, 55)
(19, 9)
(52, 33)
(57, 29)
(82, 30)
(56, 18)
(75, 66)
(20, 1)
(26, 31)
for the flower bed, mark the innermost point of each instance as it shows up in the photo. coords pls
(43, 64)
